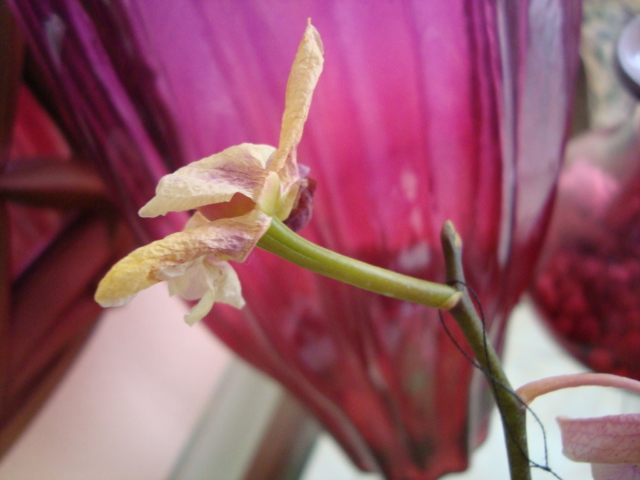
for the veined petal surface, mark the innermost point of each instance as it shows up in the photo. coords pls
(303, 78)
(610, 439)
(225, 239)
(215, 179)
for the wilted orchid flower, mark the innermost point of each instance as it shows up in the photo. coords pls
(611, 443)
(236, 193)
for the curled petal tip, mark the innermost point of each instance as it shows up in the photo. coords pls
(126, 278)
(106, 300)
(302, 82)
(216, 281)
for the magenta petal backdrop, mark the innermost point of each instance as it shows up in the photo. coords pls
(426, 111)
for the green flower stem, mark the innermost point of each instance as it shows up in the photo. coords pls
(511, 412)
(285, 243)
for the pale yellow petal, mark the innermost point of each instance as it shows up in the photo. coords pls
(191, 284)
(225, 239)
(200, 309)
(215, 179)
(208, 281)
(305, 72)
(224, 281)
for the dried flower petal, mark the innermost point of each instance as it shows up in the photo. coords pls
(215, 179)
(236, 191)
(225, 239)
(248, 169)
(305, 72)
(210, 281)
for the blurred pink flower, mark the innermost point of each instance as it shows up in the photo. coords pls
(427, 111)
(611, 444)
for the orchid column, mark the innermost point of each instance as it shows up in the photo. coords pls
(426, 111)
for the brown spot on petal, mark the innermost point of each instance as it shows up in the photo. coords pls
(303, 208)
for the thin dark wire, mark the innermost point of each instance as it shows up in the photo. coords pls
(489, 373)
(495, 382)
